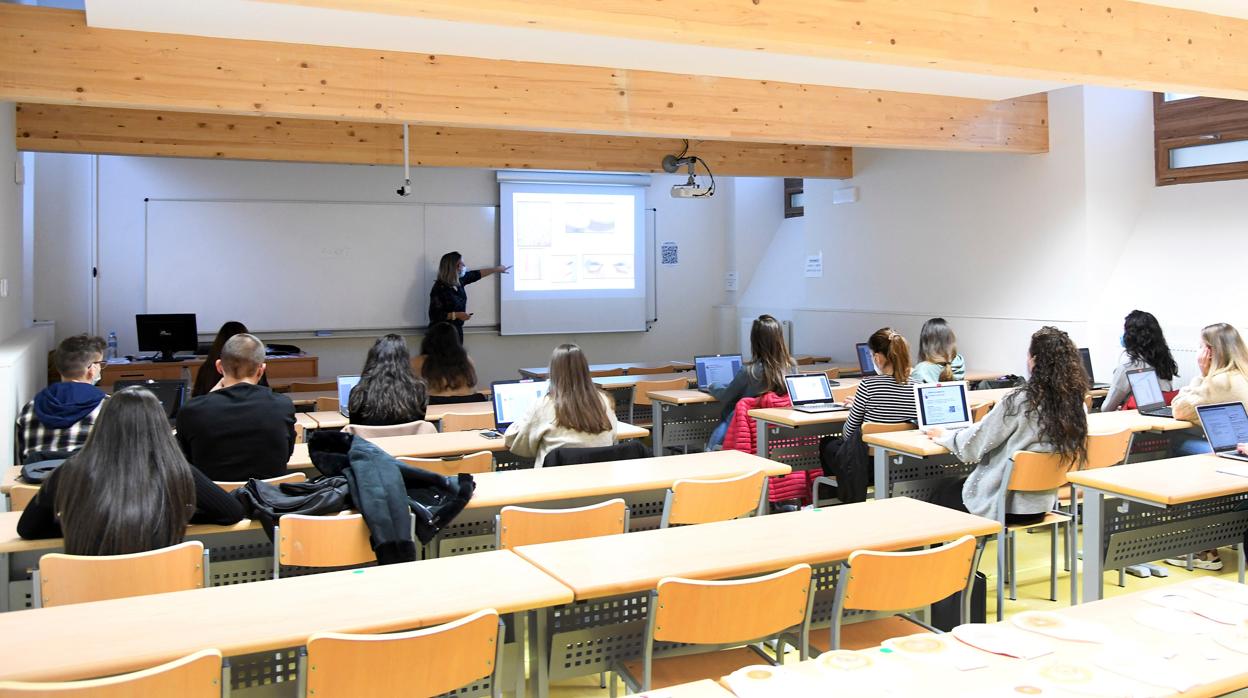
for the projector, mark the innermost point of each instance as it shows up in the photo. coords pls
(690, 191)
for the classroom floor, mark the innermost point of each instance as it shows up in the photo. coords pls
(1033, 593)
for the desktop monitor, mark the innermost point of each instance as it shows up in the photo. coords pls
(167, 333)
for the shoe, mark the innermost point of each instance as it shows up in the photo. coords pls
(1198, 563)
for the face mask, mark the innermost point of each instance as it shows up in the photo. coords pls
(1123, 341)
(878, 371)
(463, 271)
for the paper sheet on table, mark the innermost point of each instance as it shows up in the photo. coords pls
(871, 674)
(1151, 669)
(1236, 639)
(943, 650)
(1223, 589)
(1085, 679)
(1168, 620)
(764, 681)
(1061, 627)
(1214, 608)
(1000, 638)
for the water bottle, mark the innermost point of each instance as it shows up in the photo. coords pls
(112, 346)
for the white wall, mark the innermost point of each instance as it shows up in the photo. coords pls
(63, 213)
(686, 293)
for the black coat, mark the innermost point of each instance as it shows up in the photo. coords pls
(445, 299)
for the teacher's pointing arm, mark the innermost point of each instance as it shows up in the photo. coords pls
(486, 272)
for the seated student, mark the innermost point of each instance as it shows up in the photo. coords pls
(1046, 415)
(764, 373)
(446, 367)
(208, 378)
(129, 489)
(388, 392)
(242, 430)
(60, 416)
(886, 397)
(939, 359)
(1143, 346)
(574, 411)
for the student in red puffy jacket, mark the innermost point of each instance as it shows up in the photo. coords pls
(763, 374)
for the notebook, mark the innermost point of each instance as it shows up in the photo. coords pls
(1226, 426)
(1146, 389)
(513, 398)
(866, 364)
(811, 392)
(345, 384)
(1087, 368)
(944, 405)
(716, 369)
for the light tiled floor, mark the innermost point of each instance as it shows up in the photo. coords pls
(1033, 592)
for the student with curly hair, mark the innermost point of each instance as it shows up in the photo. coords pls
(1144, 346)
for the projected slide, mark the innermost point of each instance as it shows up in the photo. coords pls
(567, 242)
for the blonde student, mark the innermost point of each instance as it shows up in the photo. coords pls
(574, 411)
(939, 359)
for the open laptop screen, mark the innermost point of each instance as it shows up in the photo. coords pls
(716, 370)
(808, 387)
(1086, 355)
(1226, 425)
(942, 404)
(513, 398)
(865, 363)
(345, 384)
(1146, 388)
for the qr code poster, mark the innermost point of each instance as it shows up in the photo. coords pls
(669, 254)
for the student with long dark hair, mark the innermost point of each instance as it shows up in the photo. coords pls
(764, 373)
(574, 411)
(939, 359)
(388, 392)
(209, 376)
(1144, 346)
(1045, 415)
(129, 489)
(445, 367)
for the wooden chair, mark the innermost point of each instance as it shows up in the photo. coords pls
(64, 579)
(516, 526)
(868, 428)
(642, 390)
(454, 421)
(735, 612)
(427, 662)
(650, 370)
(978, 412)
(196, 675)
(420, 426)
(844, 393)
(882, 581)
(804, 360)
(327, 404)
(20, 496)
(1104, 450)
(313, 387)
(1032, 472)
(450, 466)
(321, 541)
(288, 477)
(606, 373)
(832, 373)
(704, 501)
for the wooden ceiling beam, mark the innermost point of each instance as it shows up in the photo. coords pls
(1116, 43)
(102, 130)
(50, 56)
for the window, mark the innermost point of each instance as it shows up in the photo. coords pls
(1199, 139)
(794, 197)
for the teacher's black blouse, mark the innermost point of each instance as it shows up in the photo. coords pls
(445, 299)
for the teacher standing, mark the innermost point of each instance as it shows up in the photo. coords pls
(448, 300)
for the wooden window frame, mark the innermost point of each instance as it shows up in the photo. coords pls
(1197, 121)
(792, 187)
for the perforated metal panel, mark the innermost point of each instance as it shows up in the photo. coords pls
(1134, 532)
(798, 447)
(686, 427)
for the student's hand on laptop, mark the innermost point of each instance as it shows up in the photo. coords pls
(1242, 449)
(934, 432)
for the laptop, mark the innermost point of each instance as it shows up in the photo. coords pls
(1226, 426)
(944, 405)
(1149, 399)
(345, 384)
(811, 392)
(1087, 368)
(513, 398)
(171, 393)
(716, 369)
(866, 365)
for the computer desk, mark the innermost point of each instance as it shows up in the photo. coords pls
(543, 372)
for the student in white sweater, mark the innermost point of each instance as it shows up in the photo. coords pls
(574, 412)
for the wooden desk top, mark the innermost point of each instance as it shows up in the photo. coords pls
(109, 637)
(1167, 482)
(11, 474)
(807, 359)
(327, 419)
(697, 689)
(453, 443)
(682, 397)
(309, 398)
(607, 480)
(633, 562)
(614, 382)
(434, 412)
(544, 371)
(281, 385)
(10, 542)
(794, 418)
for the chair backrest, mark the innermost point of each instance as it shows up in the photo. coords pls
(425, 662)
(473, 463)
(298, 387)
(701, 612)
(196, 675)
(649, 370)
(573, 455)
(804, 360)
(66, 579)
(20, 496)
(832, 373)
(882, 428)
(1038, 472)
(642, 389)
(523, 526)
(704, 501)
(880, 581)
(420, 426)
(606, 373)
(843, 393)
(1107, 449)
(327, 404)
(978, 412)
(454, 421)
(288, 477)
(323, 541)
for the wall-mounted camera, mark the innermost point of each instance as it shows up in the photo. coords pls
(406, 189)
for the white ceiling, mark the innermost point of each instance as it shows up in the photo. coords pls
(245, 19)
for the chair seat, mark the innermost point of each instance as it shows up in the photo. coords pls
(1049, 519)
(865, 635)
(673, 671)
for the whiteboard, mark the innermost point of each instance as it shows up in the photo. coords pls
(295, 266)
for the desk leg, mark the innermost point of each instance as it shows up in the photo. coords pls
(656, 428)
(539, 651)
(521, 620)
(1093, 555)
(760, 429)
(5, 591)
(881, 473)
